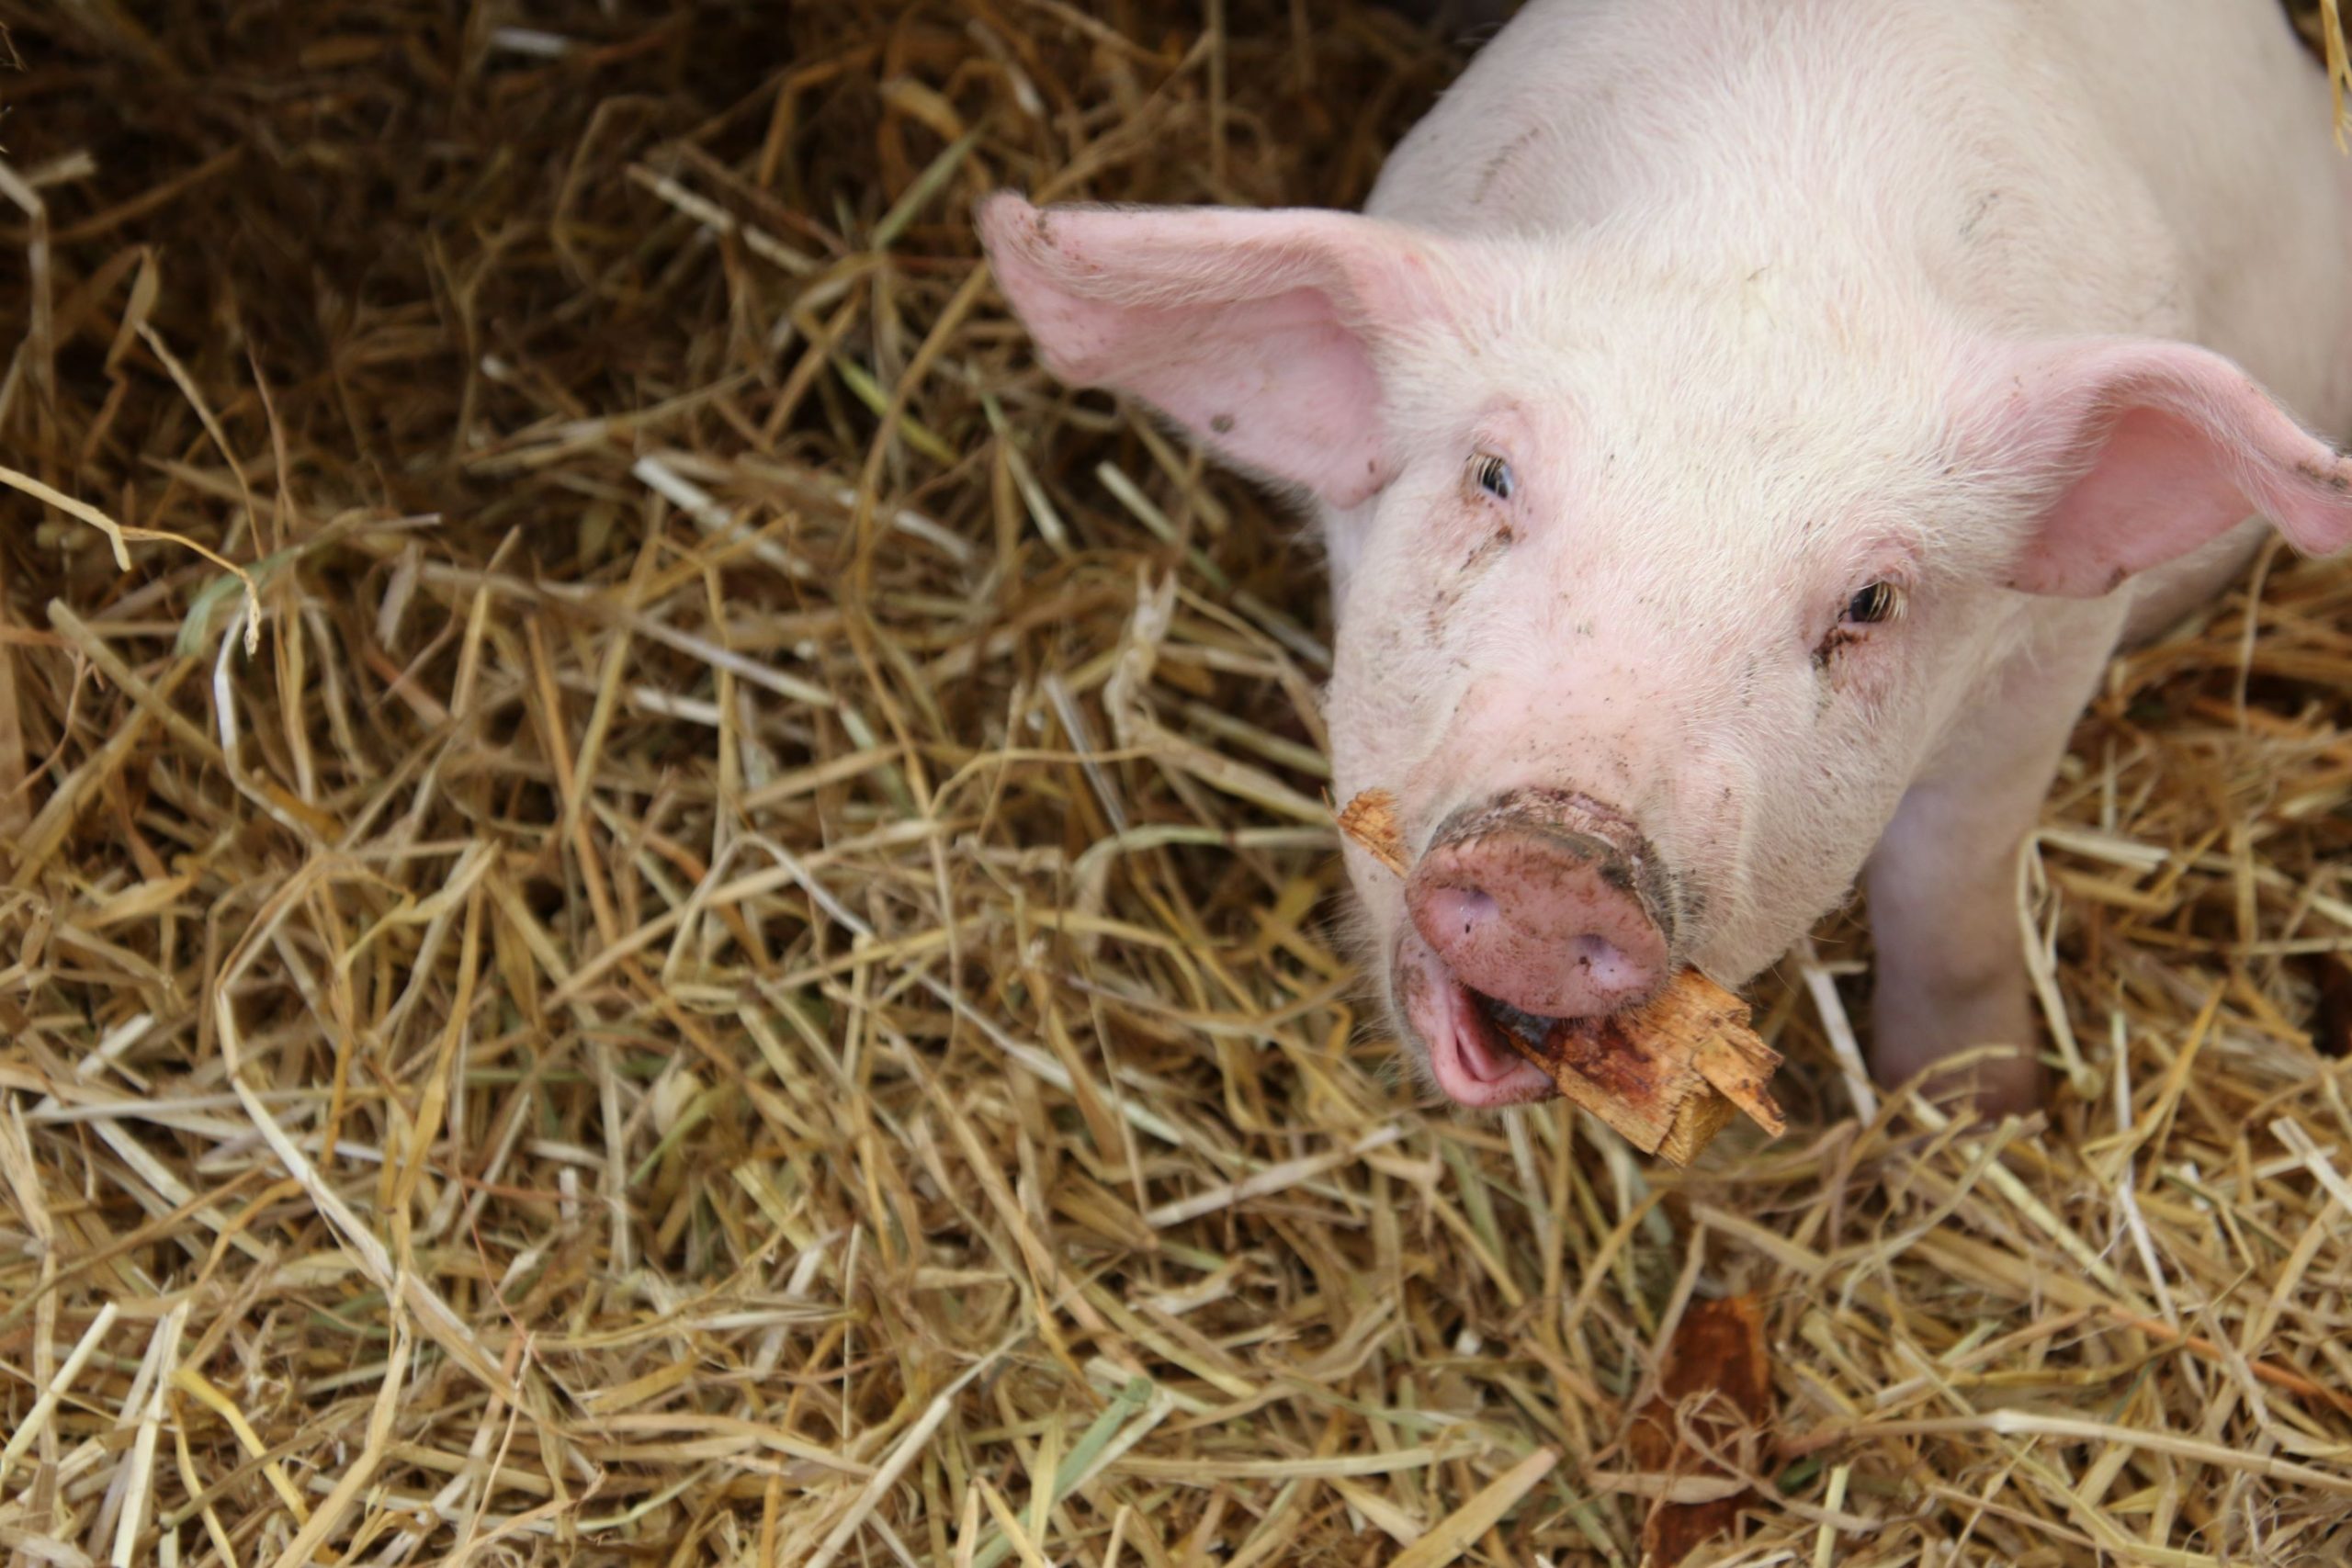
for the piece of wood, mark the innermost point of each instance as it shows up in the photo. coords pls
(1370, 820)
(1666, 1076)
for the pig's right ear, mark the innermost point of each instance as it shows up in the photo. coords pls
(2139, 451)
(1260, 331)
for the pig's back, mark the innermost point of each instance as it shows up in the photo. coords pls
(2045, 165)
(2226, 117)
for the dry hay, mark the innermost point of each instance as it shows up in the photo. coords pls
(744, 976)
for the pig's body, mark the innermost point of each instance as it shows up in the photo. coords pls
(2044, 168)
(1742, 429)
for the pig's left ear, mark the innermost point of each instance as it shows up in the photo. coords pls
(1260, 331)
(2142, 451)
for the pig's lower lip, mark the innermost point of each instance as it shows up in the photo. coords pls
(1462, 1031)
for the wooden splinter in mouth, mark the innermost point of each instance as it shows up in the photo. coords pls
(1667, 1075)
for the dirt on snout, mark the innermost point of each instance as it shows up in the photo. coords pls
(1667, 1076)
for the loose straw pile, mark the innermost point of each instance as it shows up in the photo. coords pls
(747, 975)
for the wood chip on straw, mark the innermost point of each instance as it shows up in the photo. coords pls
(1714, 1390)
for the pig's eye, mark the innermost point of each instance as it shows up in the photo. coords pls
(1879, 602)
(1493, 474)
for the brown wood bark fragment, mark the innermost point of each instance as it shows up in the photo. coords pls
(1667, 1076)
(1716, 1372)
(1370, 820)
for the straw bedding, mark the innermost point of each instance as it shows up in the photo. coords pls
(742, 970)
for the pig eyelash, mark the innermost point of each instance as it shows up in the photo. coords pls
(1879, 602)
(1492, 474)
(1873, 604)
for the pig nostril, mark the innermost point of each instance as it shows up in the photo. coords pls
(1463, 908)
(1476, 909)
(1607, 963)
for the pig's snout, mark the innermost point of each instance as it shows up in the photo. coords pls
(1545, 903)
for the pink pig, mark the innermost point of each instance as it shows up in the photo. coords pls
(1741, 430)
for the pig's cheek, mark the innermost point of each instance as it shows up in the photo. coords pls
(1362, 723)
(1857, 676)
(1409, 985)
(1852, 682)
(1379, 896)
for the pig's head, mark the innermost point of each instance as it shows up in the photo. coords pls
(1656, 580)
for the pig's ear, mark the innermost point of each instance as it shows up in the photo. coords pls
(1260, 331)
(2139, 451)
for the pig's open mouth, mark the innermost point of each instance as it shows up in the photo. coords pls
(1530, 1028)
(1465, 1032)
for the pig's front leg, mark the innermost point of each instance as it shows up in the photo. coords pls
(1951, 966)
(1942, 882)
